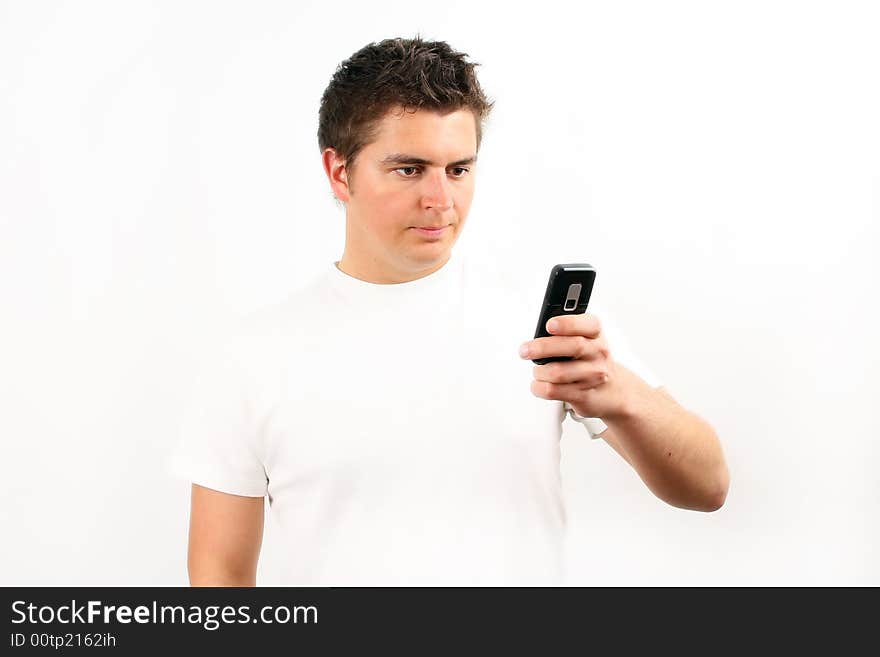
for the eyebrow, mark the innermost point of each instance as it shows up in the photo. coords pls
(404, 158)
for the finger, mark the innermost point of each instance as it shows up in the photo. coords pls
(583, 372)
(586, 324)
(562, 391)
(565, 391)
(575, 346)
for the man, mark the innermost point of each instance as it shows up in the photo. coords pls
(384, 409)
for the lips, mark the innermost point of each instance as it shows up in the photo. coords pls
(431, 234)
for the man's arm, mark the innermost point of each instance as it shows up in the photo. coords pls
(675, 452)
(225, 536)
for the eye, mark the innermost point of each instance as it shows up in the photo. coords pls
(463, 171)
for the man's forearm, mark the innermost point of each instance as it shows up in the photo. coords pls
(675, 452)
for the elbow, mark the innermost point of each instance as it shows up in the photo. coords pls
(717, 484)
(709, 497)
(714, 503)
(717, 496)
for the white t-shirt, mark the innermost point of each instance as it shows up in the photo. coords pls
(393, 429)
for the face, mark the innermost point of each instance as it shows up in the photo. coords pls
(419, 172)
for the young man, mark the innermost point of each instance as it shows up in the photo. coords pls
(386, 410)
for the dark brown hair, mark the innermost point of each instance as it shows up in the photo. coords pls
(407, 73)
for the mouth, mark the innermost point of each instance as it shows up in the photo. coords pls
(435, 231)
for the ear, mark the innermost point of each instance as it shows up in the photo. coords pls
(337, 174)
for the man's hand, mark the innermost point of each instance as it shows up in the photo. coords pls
(675, 452)
(590, 381)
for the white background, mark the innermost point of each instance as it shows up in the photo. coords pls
(716, 162)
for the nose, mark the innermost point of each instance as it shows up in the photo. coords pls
(437, 194)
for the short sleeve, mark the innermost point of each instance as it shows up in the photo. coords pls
(218, 439)
(623, 353)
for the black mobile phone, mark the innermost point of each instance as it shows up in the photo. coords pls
(568, 293)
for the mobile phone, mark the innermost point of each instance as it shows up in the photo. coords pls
(568, 293)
